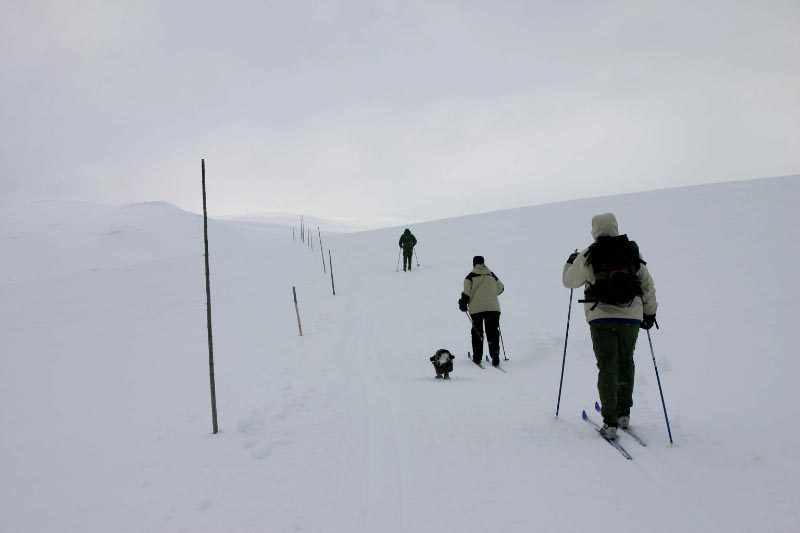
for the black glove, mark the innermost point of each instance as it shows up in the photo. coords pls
(648, 321)
(572, 257)
(463, 302)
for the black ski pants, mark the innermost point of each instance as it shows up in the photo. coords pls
(491, 319)
(408, 252)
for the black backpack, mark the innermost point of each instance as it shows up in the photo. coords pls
(616, 263)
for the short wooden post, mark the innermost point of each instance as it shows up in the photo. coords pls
(320, 250)
(297, 311)
(333, 287)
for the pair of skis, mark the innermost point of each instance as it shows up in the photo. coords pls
(503, 370)
(613, 442)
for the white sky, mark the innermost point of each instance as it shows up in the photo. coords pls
(376, 109)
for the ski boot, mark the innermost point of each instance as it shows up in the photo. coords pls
(609, 432)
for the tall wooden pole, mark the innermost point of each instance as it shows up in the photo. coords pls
(208, 308)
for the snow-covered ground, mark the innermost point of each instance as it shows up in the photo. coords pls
(104, 399)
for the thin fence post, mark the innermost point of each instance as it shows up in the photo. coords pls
(322, 253)
(333, 287)
(208, 308)
(297, 311)
(302, 230)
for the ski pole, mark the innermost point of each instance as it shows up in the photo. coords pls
(398, 261)
(502, 344)
(660, 391)
(480, 333)
(473, 325)
(564, 359)
(416, 256)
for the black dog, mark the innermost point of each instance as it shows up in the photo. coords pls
(443, 363)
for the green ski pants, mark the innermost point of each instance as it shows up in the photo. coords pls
(613, 344)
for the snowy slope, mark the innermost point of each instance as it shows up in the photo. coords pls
(335, 224)
(46, 239)
(104, 392)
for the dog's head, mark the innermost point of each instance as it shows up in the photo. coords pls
(442, 357)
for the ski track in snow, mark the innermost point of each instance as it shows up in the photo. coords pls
(385, 486)
(382, 500)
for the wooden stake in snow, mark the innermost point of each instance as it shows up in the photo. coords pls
(297, 311)
(333, 287)
(208, 308)
(320, 250)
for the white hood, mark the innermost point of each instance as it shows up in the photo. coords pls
(604, 225)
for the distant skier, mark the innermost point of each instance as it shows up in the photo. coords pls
(619, 298)
(481, 289)
(443, 363)
(407, 243)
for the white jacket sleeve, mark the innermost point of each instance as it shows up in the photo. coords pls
(649, 303)
(577, 274)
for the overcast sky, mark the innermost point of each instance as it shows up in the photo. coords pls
(377, 108)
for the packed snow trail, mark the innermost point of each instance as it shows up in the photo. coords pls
(104, 390)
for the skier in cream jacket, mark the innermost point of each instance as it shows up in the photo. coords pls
(481, 288)
(614, 327)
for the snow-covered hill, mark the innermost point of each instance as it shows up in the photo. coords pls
(47, 239)
(104, 399)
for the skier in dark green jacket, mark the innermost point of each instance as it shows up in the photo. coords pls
(407, 243)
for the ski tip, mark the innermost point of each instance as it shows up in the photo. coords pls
(583, 415)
